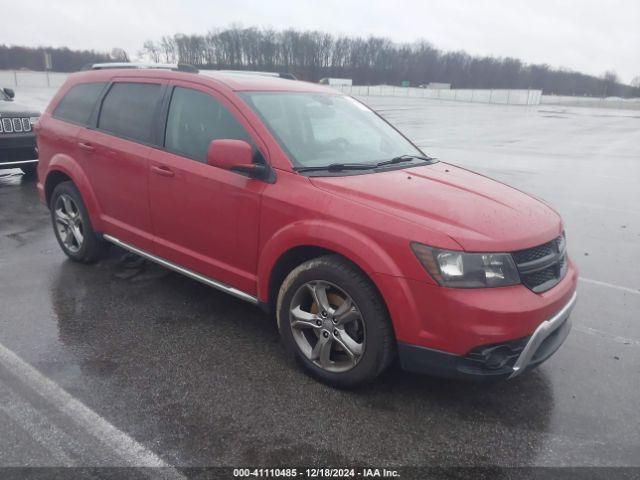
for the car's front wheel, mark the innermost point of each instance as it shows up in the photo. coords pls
(332, 318)
(72, 225)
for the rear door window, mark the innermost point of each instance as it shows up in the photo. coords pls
(128, 110)
(195, 119)
(78, 103)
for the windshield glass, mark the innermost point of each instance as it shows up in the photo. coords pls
(2, 95)
(318, 129)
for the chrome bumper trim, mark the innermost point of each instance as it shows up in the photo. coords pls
(21, 162)
(189, 273)
(545, 329)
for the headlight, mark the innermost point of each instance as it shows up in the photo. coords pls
(467, 270)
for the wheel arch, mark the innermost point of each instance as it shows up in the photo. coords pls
(64, 168)
(289, 260)
(54, 178)
(298, 243)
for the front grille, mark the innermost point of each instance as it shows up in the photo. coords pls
(535, 253)
(542, 267)
(7, 125)
(542, 276)
(15, 125)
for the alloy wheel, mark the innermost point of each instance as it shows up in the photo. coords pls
(327, 326)
(69, 223)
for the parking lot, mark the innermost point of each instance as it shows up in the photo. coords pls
(125, 363)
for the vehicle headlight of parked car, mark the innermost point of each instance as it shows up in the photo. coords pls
(457, 269)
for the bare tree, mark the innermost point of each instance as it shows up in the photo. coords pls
(119, 55)
(151, 50)
(63, 59)
(609, 79)
(168, 49)
(314, 54)
(373, 60)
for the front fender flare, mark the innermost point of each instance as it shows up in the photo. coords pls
(362, 250)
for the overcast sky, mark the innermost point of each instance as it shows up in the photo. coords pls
(585, 35)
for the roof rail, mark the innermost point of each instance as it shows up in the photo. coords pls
(181, 67)
(285, 75)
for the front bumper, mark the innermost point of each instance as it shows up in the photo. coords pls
(17, 150)
(496, 361)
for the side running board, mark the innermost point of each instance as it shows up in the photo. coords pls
(189, 273)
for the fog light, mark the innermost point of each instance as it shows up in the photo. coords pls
(498, 358)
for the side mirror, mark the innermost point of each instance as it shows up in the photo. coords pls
(235, 155)
(10, 93)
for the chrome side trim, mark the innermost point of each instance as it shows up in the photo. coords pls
(191, 274)
(21, 162)
(545, 329)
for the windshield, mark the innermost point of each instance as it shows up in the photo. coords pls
(319, 129)
(2, 95)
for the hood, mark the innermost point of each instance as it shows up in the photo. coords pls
(11, 108)
(480, 214)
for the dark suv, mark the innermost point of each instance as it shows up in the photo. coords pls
(17, 138)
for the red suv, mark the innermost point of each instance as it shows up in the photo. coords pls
(301, 200)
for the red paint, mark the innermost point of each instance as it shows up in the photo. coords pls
(234, 229)
(230, 154)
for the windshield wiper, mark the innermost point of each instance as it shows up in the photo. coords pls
(404, 158)
(337, 167)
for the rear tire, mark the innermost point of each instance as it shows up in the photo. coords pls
(72, 225)
(333, 321)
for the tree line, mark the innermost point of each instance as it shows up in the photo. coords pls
(311, 55)
(62, 59)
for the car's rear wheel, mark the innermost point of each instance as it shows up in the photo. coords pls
(72, 225)
(331, 317)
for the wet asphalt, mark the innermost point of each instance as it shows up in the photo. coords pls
(199, 378)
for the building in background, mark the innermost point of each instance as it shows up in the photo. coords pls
(438, 86)
(336, 82)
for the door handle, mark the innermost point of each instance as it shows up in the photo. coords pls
(162, 171)
(87, 147)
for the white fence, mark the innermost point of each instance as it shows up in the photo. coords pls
(610, 102)
(506, 97)
(25, 78)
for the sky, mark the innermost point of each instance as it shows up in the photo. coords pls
(585, 35)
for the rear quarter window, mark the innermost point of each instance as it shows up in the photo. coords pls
(128, 110)
(78, 103)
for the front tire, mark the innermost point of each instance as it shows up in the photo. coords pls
(72, 225)
(333, 320)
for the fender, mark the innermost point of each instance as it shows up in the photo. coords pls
(348, 242)
(68, 165)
